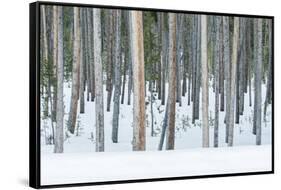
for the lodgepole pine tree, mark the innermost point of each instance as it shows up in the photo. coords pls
(258, 80)
(204, 75)
(233, 76)
(226, 60)
(170, 143)
(59, 136)
(117, 76)
(138, 81)
(75, 73)
(98, 81)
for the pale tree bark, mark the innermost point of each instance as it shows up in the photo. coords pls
(232, 84)
(98, 81)
(60, 108)
(75, 73)
(138, 81)
(205, 86)
(170, 143)
(226, 60)
(258, 80)
(117, 77)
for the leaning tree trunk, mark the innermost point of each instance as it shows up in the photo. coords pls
(117, 83)
(60, 108)
(232, 84)
(138, 81)
(205, 90)
(98, 81)
(75, 73)
(170, 143)
(258, 80)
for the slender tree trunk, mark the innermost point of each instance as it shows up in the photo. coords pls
(75, 73)
(82, 63)
(130, 71)
(269, 71)
(164, 129)
(98, 81)
(232, 84)
(179, 26)
(151, 110)
(163, 58)
(222, 69)
(194, 65)
(170, 143)
(258, 80)
(55, 60)
(109, 61)
(126, 55)
(117, 76)
(217, 74)
(198, 71)
(205, 86)
(60, 108)
(138, 80)
(226, 60)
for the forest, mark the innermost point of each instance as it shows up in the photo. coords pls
(128, 80)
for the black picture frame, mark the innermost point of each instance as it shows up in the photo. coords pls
(34, 96)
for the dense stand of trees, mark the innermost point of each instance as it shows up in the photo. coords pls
(163, 56)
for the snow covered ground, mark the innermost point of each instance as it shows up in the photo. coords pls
(80, 162)
(109, 166)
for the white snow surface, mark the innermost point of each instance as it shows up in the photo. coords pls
(70, 168)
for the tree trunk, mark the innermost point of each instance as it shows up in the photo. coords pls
(221, 69)
(117, 76)
(232, 84)
(170, 143)
(60, 108)
(163, 58)
(75, 73)
(226, 60)
(82, 63)
(109, 61)
(130, 71)
(138, 80)
(55, 60)
(98, 81)
(179, 48)
(217, 77)
(268, 96)
(258, 80)
(205, 86)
